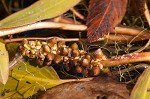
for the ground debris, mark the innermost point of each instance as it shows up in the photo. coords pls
(99, 88)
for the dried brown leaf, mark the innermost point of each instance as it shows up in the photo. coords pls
(100, 88)
(137, 7)
(103, 16)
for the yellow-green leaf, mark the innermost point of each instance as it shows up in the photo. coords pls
(4, 64)
(26, 80)
(12, 49)
(142, 88)
(42, 9)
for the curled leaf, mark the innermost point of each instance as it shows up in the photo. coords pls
(103, 16)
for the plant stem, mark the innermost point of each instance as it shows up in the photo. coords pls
(42, 25)
(126, 59)
(76, 13)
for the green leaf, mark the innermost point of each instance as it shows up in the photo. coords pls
(42, 9)
(26, 80)
(142, 88)
(4, 64)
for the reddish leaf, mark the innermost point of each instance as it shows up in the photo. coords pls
(103, 16)
(137, 7)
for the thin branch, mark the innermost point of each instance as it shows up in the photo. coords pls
(76, 13)
(147, 15)
(62, 19)
(126, 59)
(125, 38)
(109, 38)
(44, 38)
(130, 69)
(71, 80)
(124, 30)
(42, 25)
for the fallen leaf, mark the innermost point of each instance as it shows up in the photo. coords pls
(103, 16)
(141, 89)
(99, 88)
(4, 64)
(42, 9)
(137, 7)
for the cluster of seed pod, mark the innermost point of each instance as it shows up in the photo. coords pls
(71, 57)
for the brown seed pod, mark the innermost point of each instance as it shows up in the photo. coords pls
(25, 52)
(85, 62)
(58, 52)
(82, 52)
(74, 46)
(61, 44)
(38, 45)
(75, 53)
(32, 56)
(85, 72)
(57, 59)
(41, 56)
(32, 44)
(64, 51)
(96, 70)
(46, 48)
(98, 54)
(88, 57)
(32, 51)
(26, 46)
(99, 65)
(51, 42)
(50, 56)
(66, 59)
(78, 69)
(24, 41)
(73, 62)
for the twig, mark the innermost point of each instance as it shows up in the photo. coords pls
(43, 38)
(126, 59)
(124, 30)
(76, 13)
(42, 25)
(125, 38)
(147, 15)
(82, 79)
(109, 38)
(130, 68)
(62, 19)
